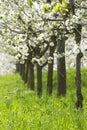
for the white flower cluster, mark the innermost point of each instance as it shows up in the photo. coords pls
(40, 61)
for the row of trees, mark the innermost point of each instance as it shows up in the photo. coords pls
(35, 33)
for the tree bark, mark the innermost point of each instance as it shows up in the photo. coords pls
(78, 81)
(17, 67)
(50, 78)
(23, 71)
(61, 69)
(26, 71)
(31, 76)
(78, 68)
(39, 80)
(50, 71)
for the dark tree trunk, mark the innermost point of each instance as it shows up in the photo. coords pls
(26, 71)
(31, 76)
(50, 78)
(50, 73)
(61, 69)
(78, 68)
(39, 80)
(23, 71)
(17, 67)
(20, 69)
(78, 81)
(50, 67)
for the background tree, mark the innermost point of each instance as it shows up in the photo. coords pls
(78, 68)
(61, 65)
(61, 68)
(52, 48)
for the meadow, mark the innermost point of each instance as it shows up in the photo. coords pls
(21, 109)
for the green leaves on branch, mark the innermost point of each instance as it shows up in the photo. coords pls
(61, 7)
(29, 2)
(46, 7)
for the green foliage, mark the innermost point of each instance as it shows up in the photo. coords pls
(21, 109)
(2, 0)
(57, 7)
(61, 7)
(29, 2)
(46, 7)
(64, 2)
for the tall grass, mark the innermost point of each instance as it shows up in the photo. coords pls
(21, 109)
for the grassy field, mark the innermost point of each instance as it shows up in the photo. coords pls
(21, 109)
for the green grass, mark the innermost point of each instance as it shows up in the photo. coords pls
(21, 109)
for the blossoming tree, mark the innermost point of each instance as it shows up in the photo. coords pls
(34, 32)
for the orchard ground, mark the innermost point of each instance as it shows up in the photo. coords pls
(21, 109)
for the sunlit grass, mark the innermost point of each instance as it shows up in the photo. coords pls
(21, 109)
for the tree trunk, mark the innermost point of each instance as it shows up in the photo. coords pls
(78, 81)
(50, 78)
(50, 73)
(17, 67)
(26, 71)
(23, 71)
(61, 69)
(31, 76)
(39, 80)
(20, 69)
(78, 68)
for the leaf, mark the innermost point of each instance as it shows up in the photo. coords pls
(62, 7)
(46, 7)
(64, 2)
(29, 2)
(57, 7)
